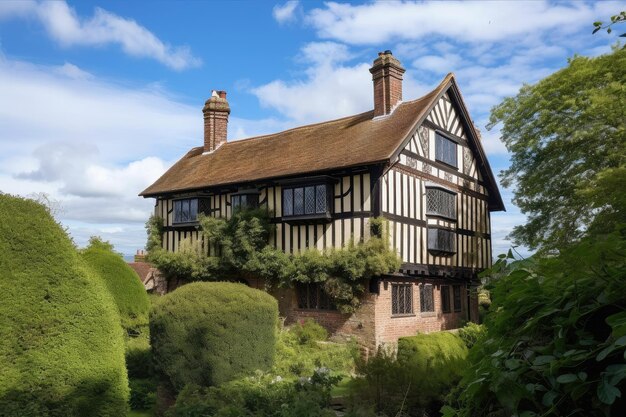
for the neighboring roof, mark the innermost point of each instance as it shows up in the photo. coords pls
(342, 143)
(141, 268)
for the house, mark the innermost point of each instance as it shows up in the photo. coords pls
(420, 164)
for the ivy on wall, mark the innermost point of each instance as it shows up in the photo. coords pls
(243, 252)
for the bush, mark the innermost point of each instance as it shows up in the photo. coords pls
(416, 381)
(259, 396)
(139, 358)
(471, 333)
(294, 359)
(209, 333)
(556, 338)
(62, 350)
(308, 331)
(142, 394)
(122, 282)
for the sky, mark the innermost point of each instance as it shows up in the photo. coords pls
(98, 99)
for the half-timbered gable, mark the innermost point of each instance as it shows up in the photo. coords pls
(420, 164)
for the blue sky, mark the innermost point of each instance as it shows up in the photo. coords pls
(97, 100)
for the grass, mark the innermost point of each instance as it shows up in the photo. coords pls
(139, 413)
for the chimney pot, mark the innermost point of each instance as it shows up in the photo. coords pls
(387, 74)
(216, 111)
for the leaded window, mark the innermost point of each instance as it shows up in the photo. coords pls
(309, 200)
(312, 296)
(440, 202)
(186, 210)
(427, 298)
(456, 290)
(401, 299)
(441, 240)
(445, 298)
(244, 201)
(445, 150)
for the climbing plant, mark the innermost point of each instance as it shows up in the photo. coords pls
(242, 252)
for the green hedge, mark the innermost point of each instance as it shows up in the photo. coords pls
(122, 282)
(62, 349)
(436, 359)
(415, 381)
(208, 333)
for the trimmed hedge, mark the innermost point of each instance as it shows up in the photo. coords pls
(62, 347)
(122, 282)
(209, 333)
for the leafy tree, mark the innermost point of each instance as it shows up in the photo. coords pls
(615, 19)
(556, 338)
(567, 134)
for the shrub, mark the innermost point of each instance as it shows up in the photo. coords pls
(259, 396)
(122, 282)
(471, 333)
(415, 381)
(308, 331)
(294, 359)
(139, 358)
(209, 333)
(142, 394)
(556, 338)
(62, 350)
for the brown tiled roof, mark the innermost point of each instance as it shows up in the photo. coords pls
(350, 141)
(141, 268)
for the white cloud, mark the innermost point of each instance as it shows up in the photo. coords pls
(384, 21)
(286, 12)
(68, 29)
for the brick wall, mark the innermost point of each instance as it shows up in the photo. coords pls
(373, 323)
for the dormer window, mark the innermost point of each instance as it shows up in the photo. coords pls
(445, 150)
(186, 210)
(244, 200)
(306, 202)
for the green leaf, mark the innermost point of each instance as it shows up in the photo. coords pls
(543, 359)
(582, 376)
(566, 378)
(607, 393)
(548, 398)
(595, 30)
(527, 414)
(447, 411)
(617, 323)
(512, 364)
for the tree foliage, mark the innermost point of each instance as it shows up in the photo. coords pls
(615, 19)
(61, 343)
(556, 337)
(567, 134)
(243, 252)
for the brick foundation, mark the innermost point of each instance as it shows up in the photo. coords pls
(373, 324)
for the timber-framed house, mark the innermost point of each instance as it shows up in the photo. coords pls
(420, 164)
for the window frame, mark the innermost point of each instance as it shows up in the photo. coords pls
(304, 215)
(247, 194)
(437, 188)
(438, 249)
(323, 302)
(177, 201)
(448, 140)
(445, 299)
(404, 292)
(423, 304)
(459, 308)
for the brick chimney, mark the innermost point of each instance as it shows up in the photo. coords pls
(216, 111)
(387, 76)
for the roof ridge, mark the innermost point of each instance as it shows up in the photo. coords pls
(296, 128)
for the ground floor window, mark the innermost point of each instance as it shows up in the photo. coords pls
(427, 298)
(456, 289)
(313, 297)
(401, 299)
(445, 298)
